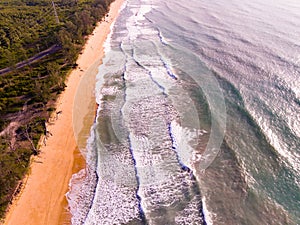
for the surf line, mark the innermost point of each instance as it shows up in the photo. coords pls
(138, 197)
(185, 168)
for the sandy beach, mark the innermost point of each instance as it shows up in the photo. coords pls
(42, 199)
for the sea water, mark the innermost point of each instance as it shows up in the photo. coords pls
(199, 117)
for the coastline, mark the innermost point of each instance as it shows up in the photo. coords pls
(42, 200)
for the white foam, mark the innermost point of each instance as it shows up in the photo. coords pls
(112, 64)
(182, 139)
(107, 43)
(113, 204)
(80, 195)
(123, 6)
(144, 9)
(81, 185)
(208, 216)
(162, 38)
(190, 214)
(109, 90)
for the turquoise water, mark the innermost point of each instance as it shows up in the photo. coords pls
(198, 118)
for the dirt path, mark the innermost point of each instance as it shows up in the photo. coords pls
(40, 55)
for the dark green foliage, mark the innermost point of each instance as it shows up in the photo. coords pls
(28, 27)
(27, 94)
(13, 165)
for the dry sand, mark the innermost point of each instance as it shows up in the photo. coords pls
(42, 200)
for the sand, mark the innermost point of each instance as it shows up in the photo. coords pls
(42, 199)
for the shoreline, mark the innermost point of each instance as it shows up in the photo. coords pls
(42, 199)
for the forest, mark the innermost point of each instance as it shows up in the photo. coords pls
(40, 41)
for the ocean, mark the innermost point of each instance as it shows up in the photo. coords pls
(198, 119)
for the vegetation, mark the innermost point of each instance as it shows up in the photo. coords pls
(28, 94)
